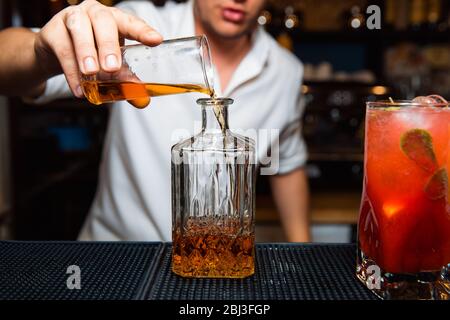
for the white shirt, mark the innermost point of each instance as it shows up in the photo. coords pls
(133, 200)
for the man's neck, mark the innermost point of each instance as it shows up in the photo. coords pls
(227, 53)
(228, 48)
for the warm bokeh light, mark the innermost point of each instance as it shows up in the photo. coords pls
(379, 90)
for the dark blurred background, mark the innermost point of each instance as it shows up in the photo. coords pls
(49, 155)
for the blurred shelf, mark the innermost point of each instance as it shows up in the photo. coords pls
(71, 104)
(341, 156)
(326, 208)
(4, 211)
(335, 83)
(364, 36)
(56, 150)
(53, 179)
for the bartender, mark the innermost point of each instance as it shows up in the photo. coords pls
(133, 197)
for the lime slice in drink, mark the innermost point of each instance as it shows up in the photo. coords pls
(436, 188)
(417, 145)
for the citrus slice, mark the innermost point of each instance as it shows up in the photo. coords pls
(437, 99)
(423, 100)
(436, 187)
(417, 145)
(433, 100)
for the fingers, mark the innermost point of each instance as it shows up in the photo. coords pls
(65, 53)
(107, 37)
(80, 29)
(86, 39)
(134, 28)
(97, 32)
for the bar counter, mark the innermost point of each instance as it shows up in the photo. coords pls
(141, 271)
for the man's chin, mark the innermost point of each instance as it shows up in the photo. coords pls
(232, 33)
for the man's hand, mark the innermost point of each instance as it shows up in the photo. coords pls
(85, 38)
(291, 195)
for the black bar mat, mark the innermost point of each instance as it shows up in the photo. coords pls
(37, 270)
(283, 272)
(128, 270)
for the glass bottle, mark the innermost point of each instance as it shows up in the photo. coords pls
(213, 199)
(175, 66)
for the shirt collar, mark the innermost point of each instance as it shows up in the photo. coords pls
(253, 63)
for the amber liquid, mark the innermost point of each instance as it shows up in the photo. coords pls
(204, 251)
(98, 92)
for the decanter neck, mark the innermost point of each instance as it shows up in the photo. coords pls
(214, 118)
(214, 114)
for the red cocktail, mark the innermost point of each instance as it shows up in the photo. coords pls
(404, 223)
